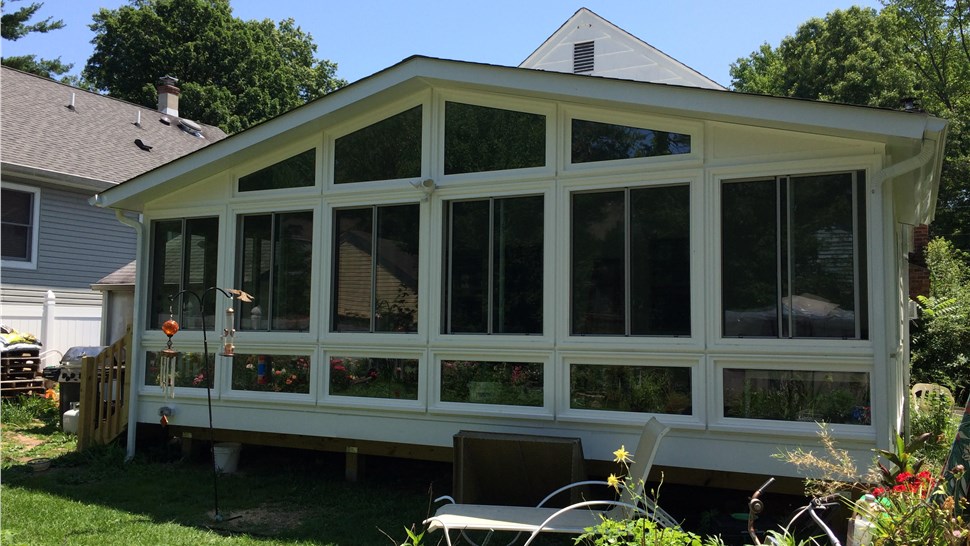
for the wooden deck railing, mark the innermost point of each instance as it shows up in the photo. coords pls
(105, 383)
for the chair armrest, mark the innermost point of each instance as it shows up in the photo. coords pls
(583, 504)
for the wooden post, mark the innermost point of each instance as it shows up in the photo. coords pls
(88, 407)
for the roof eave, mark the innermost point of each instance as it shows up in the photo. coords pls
(704, 104)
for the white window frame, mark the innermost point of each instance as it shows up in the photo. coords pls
(34, 228)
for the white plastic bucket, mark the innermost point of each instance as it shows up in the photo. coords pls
(226, 456)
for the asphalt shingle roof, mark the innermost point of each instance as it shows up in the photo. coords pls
(95, 139)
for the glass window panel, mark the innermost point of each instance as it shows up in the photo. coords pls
(276, 251)
(517, 265)
(480, 138)
(749, 258)
(503, 383)
(184, 257)
(797, 395)
(366, 377)
(387, 150)
(594, 141)
(376, 290)
(468, 267)
(660, 261)
(822, 300)
(794, 257)
(353, 265)
(271, 373)
(641, 389)
(189, 370)
(295, 172)
(16, 219)
(598, 263)
(293, 250)
(396, 283)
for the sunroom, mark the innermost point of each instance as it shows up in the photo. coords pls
(446, 246)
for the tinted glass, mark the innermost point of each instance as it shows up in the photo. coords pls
(468, 266)
(660, 261)
(810, 396)
(184, 257)
(503, 383)
(643, 389)
(390, 378)
(386, 150)
(396, 281)
(16, 212)
(598, 263)
(749, 258)
(517, 265)
(296, 172)
(594, 141)
(479, 138)
(271, 373)
(354, 232)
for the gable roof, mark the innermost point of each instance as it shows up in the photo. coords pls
(616, 54)
(908, 136)
(91, 145)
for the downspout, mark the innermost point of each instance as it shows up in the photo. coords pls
(139, 228)
(918, 161)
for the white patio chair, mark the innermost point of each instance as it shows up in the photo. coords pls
(573, 519)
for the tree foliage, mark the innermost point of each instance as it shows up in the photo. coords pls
(941, 337)
(232, 73)
(14, 26)
(909, 49)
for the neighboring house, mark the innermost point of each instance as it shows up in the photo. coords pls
(588, 44)
(58, 146)
(587, 252)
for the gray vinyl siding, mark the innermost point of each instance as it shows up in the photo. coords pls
(78, 244)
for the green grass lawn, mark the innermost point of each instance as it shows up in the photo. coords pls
(277, 496)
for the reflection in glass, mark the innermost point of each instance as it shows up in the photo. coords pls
(797, 395)
(295, 172)
(276, 251)
(190, 369)
(479, 138)
(631, 262)
(376, 269)
(495, 262)
(387, 150)
(594, 141)
(368, 377)
(642, 389)
(793, 257)
(17, 218)
(184, 257)
(271, 373)
(503, 383)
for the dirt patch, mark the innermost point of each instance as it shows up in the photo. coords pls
(267, 519)
(25, 444)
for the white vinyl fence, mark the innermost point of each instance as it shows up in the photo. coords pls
(58, 327)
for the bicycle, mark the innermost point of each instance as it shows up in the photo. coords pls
(816, 505)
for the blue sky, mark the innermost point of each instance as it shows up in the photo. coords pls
(365, 36)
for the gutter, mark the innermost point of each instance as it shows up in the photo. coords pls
(139, 228)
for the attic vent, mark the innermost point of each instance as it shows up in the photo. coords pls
(582, 57)
(190, 127)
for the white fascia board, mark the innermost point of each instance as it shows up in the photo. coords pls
(415, 72)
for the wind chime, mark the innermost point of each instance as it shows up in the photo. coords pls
(168, 359)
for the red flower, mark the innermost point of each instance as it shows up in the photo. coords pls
(903, 477)
(925, 476)
(878, 492)
(899, 488)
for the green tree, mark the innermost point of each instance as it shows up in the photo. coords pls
(909, 49)
(941, 336)
(232, 73)
(14, 26)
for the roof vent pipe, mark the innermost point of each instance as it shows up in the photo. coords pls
(168, 96)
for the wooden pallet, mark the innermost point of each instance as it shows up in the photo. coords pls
(19, 374)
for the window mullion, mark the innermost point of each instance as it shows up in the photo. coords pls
(373, 269)
(270, 307)
(490, 310)
(627, 263)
